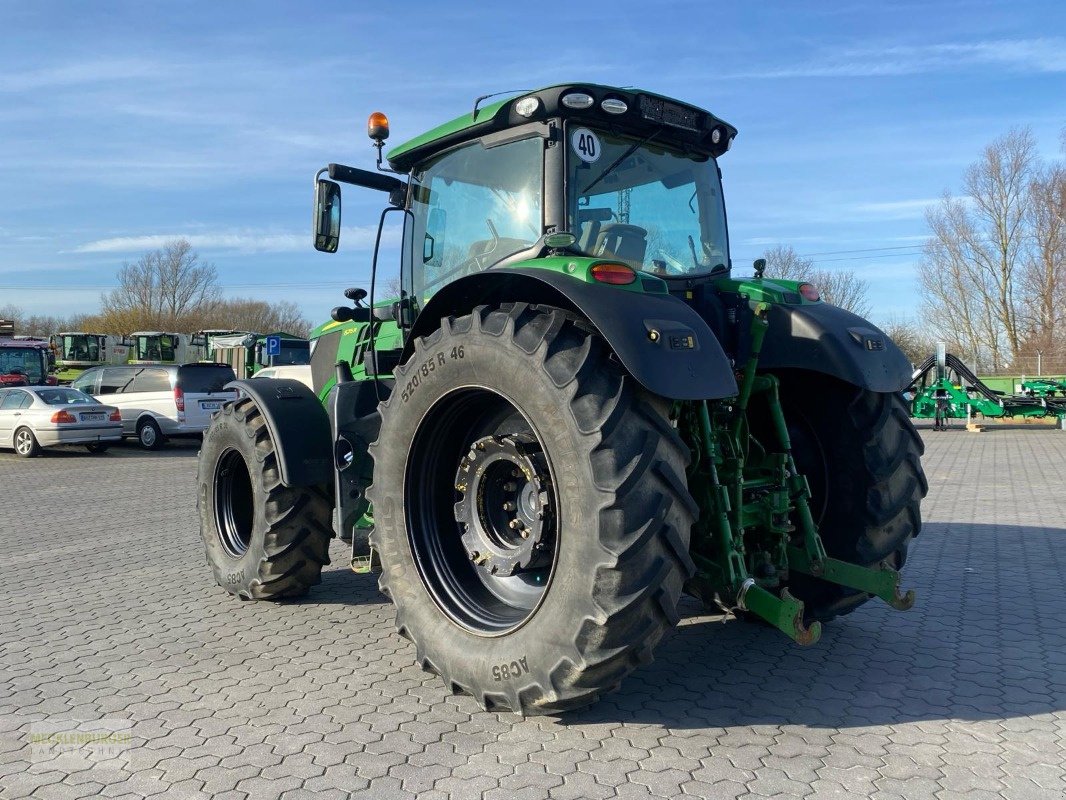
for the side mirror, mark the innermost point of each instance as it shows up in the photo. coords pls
(327, 220)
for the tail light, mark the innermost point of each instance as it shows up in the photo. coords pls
(616, 274)
(179, 398)
(116, 416)
(64, 416)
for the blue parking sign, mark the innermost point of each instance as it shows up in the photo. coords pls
(273, 345)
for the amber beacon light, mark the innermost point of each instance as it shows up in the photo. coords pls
(377, 126)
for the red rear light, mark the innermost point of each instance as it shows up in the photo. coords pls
(617, 274)
(179, 398)
(116, 416)
(808, 291)
(64, 416)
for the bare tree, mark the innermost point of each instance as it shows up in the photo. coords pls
(1044, 274)
(973, 263)
(842, 288)
(41, 325)
(913, 338)
(163, 289)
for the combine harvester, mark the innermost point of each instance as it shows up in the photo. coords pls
(76, 351)
(944, 388)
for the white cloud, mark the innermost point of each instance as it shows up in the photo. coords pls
(79, 74)
(359, 238)
(1044, 55)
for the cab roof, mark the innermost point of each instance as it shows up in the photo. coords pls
(684, 124)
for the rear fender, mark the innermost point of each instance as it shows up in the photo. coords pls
(660, 340)
(827, 339)
(298, 425)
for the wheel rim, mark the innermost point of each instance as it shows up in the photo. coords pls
(485, 544)
(147, 435)
(234, 503)
(23, 442)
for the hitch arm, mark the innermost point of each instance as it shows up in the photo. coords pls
(882, 582)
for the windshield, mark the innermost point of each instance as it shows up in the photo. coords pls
(28, 361)
(295, 353)
(156, 348)
(81, 348)
(653, 208)
(472, 207)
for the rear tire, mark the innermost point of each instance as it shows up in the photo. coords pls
(263, 540)
(26, 444)
(862, 458)
(149, 435)
(609, 509)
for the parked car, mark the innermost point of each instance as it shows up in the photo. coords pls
(160, 401)
(32, 417)
(298, 372)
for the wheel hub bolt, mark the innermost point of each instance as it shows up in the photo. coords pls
(508, 506)
(510, 486)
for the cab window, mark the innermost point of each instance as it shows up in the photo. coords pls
(472, 207)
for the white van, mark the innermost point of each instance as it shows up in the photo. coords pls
(160, 401)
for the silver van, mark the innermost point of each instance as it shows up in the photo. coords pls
(160, 401)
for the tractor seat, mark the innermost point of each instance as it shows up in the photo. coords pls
(627, 243)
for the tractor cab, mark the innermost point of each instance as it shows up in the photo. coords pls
(594, 173)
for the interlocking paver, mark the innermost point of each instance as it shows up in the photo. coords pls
(115, 618)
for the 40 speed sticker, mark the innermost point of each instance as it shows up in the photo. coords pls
(586, 144)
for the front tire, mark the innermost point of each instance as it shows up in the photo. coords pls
(263, 540)
(862, 458)
(519, 414)
(26, 444)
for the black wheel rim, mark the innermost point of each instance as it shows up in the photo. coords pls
(481, 511)
(234, 506)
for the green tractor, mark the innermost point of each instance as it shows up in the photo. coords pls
(572, 413)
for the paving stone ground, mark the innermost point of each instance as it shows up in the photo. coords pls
(110, 627)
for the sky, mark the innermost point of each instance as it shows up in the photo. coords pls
(123, 125)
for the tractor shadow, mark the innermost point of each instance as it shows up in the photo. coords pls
(983, 642)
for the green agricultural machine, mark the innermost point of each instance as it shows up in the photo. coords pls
(944, 388)
(76, 351)
(572, 413)
(1044, 387)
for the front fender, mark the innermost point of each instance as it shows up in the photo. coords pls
(827, 339)
(660, 340)
(298, 426)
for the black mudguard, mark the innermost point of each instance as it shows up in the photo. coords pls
(830, 340)
(660, 340)
(355, 421)
(299, 426)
